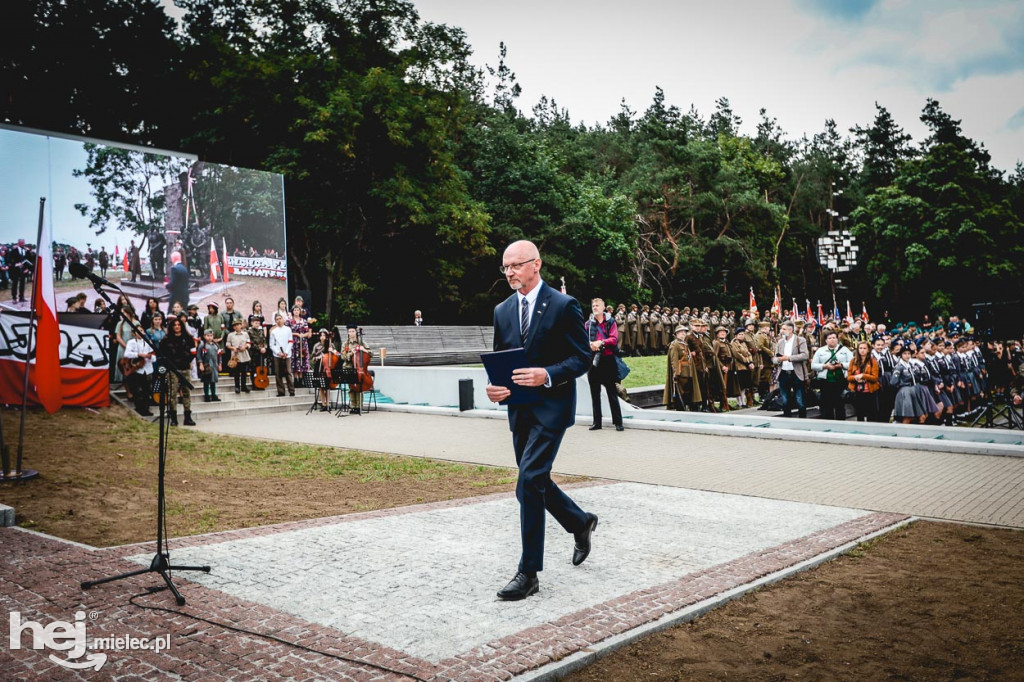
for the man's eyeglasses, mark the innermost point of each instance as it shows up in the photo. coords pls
(503, 269)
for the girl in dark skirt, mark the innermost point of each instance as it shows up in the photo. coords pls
(950, 380)
(926, 384)
(909, 407)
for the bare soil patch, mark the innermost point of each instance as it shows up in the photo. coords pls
(98, 479)
(932, 601)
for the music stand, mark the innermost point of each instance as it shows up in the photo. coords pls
(161, 562)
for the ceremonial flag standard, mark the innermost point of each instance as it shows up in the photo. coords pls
(821, 315)
(849, 312)
(864, 311)
(753, 303)
(810, 313)
(777, 303)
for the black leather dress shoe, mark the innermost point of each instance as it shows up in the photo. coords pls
(582, 549)
(521, 587)
(620, 427)
(595, 427)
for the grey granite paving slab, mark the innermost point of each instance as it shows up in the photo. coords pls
(424, 582)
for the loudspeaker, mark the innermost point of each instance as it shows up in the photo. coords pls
(465, 395)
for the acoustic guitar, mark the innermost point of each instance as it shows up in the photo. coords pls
(261, 378)
(130, 366)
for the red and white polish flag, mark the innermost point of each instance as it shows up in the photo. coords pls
(47, 362)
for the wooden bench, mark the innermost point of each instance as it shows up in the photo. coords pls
(409, 345)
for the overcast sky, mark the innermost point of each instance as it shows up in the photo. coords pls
(802, 60)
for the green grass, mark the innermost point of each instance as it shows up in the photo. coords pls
(646, 371)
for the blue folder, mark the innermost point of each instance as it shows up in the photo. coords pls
(499, 366)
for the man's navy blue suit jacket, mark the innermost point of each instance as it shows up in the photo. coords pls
(557, 341)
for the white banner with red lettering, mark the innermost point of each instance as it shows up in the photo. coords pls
(275, 268)
(84, 362)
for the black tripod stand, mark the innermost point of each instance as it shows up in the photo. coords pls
(161, 562)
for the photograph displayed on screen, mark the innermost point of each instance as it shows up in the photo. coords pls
(130, 215)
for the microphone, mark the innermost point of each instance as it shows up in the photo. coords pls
(82, 272)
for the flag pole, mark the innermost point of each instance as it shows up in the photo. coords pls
(28, 347)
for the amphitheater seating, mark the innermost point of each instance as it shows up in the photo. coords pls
(409, 345)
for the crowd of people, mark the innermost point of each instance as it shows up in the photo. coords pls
(935, 372)
(250, 348)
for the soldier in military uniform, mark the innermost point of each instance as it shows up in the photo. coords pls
(765, 352)
(743, 365)
(657, 328)
(714, 321)
(673, 322)
(709, 372)
(682, 389)
(620, 323)
(633, 329)
(644, 342)
(755, 356)
(726, 364)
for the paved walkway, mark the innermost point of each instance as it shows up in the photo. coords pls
(410, 592)
(971, 488)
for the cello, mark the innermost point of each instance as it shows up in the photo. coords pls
(361, 364)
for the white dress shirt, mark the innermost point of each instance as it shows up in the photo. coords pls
(136, 347)
(281, 341)
(787, 350)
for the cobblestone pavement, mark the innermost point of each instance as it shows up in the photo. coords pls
(958, 487)
(409, 592)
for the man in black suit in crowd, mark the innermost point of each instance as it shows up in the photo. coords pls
(549, 326)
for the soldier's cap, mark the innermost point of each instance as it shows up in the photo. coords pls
(351, 325)
(686, 309)
(633, 305)
(192, 306)
(715, 312)
(720, 328)
(646, 307)
(212, 305)
(765, 324)
(680, 328)
(739, 330)
(237, 321)
(698, 322)
(657, 307)
(750, 323)
(799, 323)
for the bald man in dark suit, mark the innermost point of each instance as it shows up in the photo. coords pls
(548, 325)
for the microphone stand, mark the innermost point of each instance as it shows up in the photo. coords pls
(161, 562)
